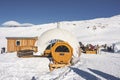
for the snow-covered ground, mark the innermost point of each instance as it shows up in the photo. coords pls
(103, 66)
(14, 68)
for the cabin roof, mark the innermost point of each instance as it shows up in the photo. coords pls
(21, 37)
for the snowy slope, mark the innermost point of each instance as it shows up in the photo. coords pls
(90, 67)
(102, 30)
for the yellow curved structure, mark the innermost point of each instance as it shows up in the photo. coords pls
(62, 53)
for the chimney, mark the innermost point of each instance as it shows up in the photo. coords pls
(58, 25)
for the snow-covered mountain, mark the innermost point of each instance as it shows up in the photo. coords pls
(16, 24)
(95, 31)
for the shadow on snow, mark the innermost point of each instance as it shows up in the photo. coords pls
(84, 74)
(104, 75)
(89, 76)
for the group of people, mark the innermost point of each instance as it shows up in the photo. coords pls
(108, 48)
(98, 48)
(88, 47)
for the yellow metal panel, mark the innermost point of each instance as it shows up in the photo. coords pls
(62, 57)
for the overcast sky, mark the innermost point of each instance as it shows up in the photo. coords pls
(47, 11)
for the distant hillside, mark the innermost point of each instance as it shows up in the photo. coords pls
(96, 31)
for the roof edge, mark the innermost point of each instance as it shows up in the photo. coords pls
(22, 38)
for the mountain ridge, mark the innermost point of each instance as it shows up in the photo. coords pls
(96, 31)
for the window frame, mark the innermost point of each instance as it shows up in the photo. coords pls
(65, 49)
(18, 42)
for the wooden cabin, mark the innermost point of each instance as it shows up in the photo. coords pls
(21, 43)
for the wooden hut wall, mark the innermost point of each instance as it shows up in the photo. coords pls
(24, 42)
(11, 45)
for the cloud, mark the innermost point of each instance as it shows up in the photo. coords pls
(16, 24)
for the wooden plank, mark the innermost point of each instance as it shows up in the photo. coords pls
(91, 52)
(11, 45)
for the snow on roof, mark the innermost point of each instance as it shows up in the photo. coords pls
(21, 37)
(59, 34)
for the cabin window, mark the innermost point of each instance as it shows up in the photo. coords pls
(62, 49)
(17, 43)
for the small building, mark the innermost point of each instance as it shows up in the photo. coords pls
(20, 43)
